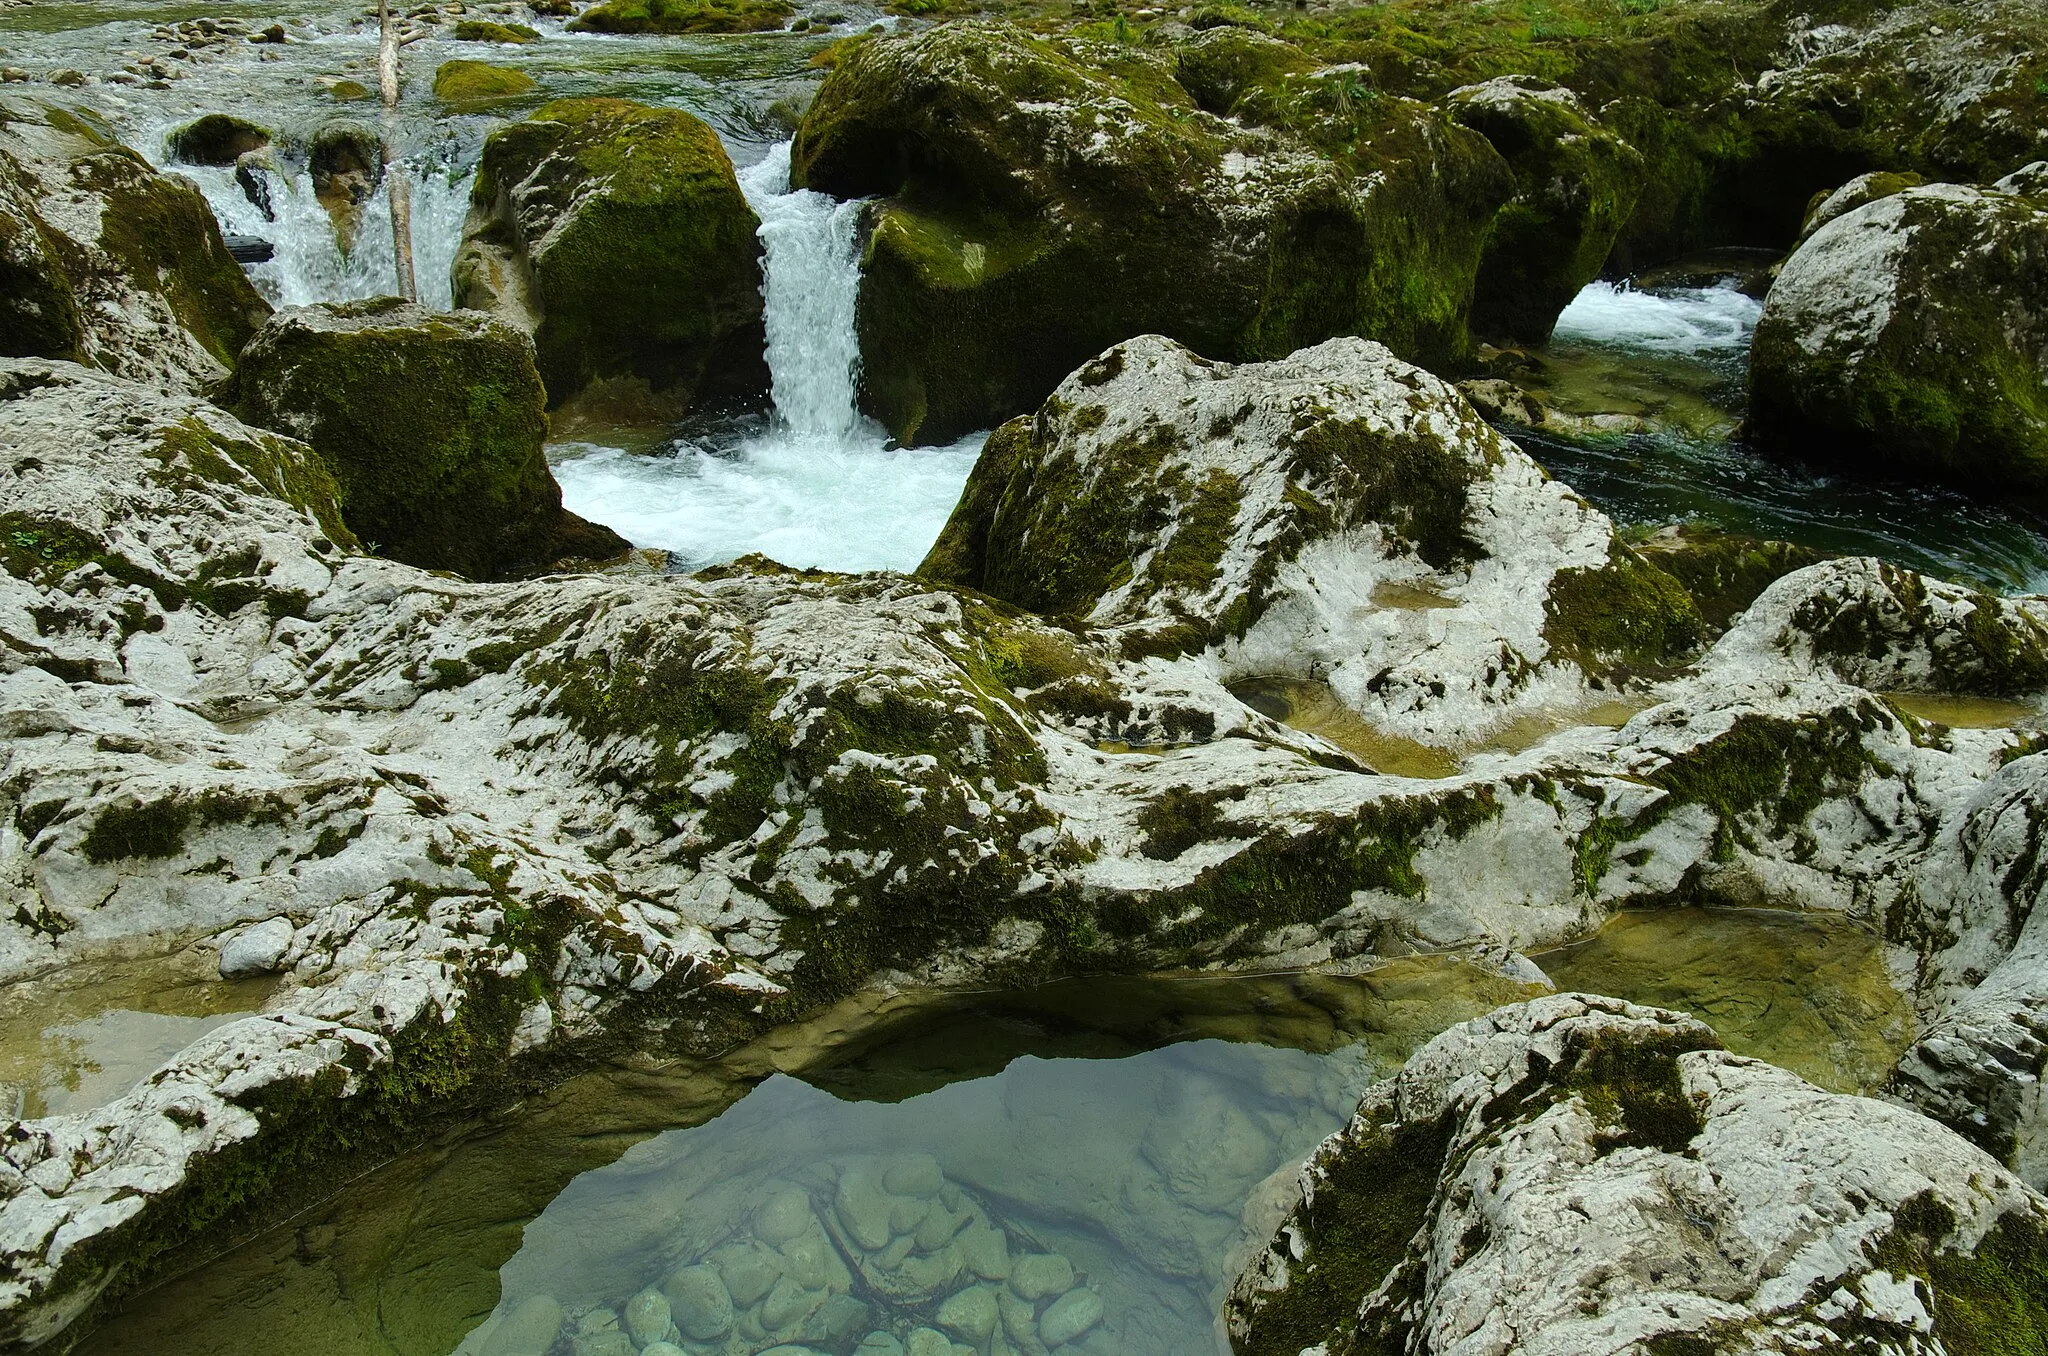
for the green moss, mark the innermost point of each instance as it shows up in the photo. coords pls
(164, 238)
(1375, 1195)
(433, 427)
(484, 30)
(1632, 1086)
(148, 829)
(1724, 572)
(1181, 818)
(683, 16)
(1993, 1302)
(1625, 613)
(478, 82)
(655, 272)
(349, 92)
(44, 549)
(1766, 763)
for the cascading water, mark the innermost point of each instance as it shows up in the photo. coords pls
(820, 487)
(308, 265)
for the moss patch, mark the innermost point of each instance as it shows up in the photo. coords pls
(683, 16)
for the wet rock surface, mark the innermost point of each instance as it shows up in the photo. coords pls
(1579, 1174)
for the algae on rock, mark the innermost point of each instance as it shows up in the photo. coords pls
(618, 235)
(433, 425)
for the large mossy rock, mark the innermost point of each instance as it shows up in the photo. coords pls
(1336, 514)
(433, 425)
(1909, 337)
(1575, 185)
(1578, 1174)
(618, 234)
(1043, 199)
(470, 82)
(216, 139)
(107, 262)
(683, 16)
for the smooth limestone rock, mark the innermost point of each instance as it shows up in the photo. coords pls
(1863, 189)
(512, 821)
(106, 262)
(1066, 194)
(1577, 1174)
(1909, 337)
(1575, 185)
(1259, 511)
(469, 82)
(617, 233)
(433, 426)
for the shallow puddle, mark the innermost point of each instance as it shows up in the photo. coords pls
(1808, 992)
(82, 1037)
(1311, 706)
(1967, 713)
(1086, 1160)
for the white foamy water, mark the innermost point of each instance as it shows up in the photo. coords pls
(820, 488)
(308, 264)
(1688, 321)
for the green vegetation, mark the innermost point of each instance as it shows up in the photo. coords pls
(652, 266)
(433, 427)
(461, 82)
(1993, 1302)
(684, 16)
(1627, 614)
(483, 30)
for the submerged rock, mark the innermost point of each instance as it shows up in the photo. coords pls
(1575, 185)
(1909, 336)
(1579, 1174)
(433, 425)
(107, 262)
(617, 233)
(1041, 199)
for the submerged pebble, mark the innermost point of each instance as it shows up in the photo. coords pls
(700, 1302)
(1038, 1275)
(529, 1328)
(1070, 1315)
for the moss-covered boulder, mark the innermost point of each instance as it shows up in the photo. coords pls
(683, 16)
(1336, 514)
(1042, 199)
(617, 233)
(433, 425)
(216, 139)
(1570, 1169)
(1864, 188)
(107, 262)
(484, 30)
(1575, 185)
(1909, 337)
(467, 82)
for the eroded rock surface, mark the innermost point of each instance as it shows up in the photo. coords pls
(107, 262)
(505, 822)
(1580, 1175)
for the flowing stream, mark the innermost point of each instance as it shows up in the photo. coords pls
(819, 485)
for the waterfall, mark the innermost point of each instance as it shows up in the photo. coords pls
(307, 264)
(811, 280)
(819, 486)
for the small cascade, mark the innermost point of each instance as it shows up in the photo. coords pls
(812, 280)
(308, 265)
(820, 486)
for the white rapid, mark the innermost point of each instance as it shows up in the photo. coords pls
(1690, 321)
(308, 264)
(819, 487)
